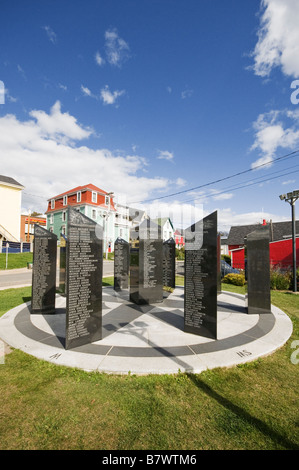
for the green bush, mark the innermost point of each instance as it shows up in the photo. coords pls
(235, 279)
(297, 276)
(280, 280)
(180, 253)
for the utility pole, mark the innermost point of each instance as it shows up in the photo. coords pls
(107, 217)
(291, 198)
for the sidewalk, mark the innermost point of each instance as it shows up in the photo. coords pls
(149, 339)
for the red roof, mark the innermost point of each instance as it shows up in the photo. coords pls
(90, 186)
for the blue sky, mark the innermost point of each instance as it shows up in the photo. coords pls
(150, 98)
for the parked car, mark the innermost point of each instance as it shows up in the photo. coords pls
(227, 269)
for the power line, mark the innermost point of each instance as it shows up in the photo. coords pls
(284, 157)
(246, 184)
(278, 159)
(240, 187)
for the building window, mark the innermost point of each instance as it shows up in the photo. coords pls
(52, 203)
(94, 214)
(120, 232)
(106, 200)
(51, 219)
(94, 197)
(63, 216)
(63, 230)
(65, 200)
(79, 196)
(51, 229)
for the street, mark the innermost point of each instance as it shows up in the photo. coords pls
(23, 277)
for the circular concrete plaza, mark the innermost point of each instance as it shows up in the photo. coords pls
(149, 339)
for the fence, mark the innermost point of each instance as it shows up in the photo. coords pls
(15, 247)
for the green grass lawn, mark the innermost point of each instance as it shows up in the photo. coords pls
(252, 406)
(15, 260)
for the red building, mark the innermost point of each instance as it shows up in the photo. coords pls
(179, 239)
(88, 194)
(91, 201)
(281, 249)
(27, 226)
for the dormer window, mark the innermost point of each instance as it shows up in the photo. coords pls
(79, 196)
(94, 196)
(65, 200)
(107, 200)
(52, 203)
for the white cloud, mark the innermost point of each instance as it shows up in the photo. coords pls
(109, 97)
(273, 130)
(227, 218)
(21, 72)
(165, 155)
(10, 98)
(42, 154)
(180, 182)
(62, 87)
(99, 59)
(222, 196)
(117, 49)
(278, 38)
(59, 126)
(86, 91)
(288, 182)
(50, 33)
(186, 93)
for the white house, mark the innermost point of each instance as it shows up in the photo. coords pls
(10, 208)
(167, 229)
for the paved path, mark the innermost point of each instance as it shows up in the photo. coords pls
(149, 339)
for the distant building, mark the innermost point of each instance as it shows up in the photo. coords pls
(179, 239)
(167, 229)
(10, 208)
(280, 236)
(136, 216)
(96, 204)
(224, 246)
(27, 226)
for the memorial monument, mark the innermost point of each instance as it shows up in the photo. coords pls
(201, 274)
(121, 264)
(84, 259)
(146, 263)
(44, 271)
(169, 263)
(258, 297)
(218, 264)
(62, 264)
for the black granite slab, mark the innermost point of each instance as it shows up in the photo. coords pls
(201, 278)
(44, 271)
(218, 264)
(258, 297)
(62, 265)
(121, 264)
(84, 280)
(146, 263)
(169, 263)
